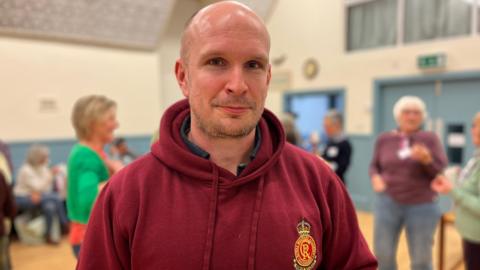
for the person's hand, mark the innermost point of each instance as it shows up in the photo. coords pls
(114, 150)
(36, 197)
(378, 184)
(55, 170)
(114, 165)
(421, 154)
(441, 184)
(101, 186)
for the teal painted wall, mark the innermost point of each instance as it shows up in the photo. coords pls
(59, 149)
(358, 181)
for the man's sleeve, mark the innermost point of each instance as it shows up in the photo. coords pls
(104, 246)
(344, 245)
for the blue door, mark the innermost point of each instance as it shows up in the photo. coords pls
(310, 109)
(458, 102)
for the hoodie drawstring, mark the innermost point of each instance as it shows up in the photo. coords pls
(212, 217)
(254, 228)
(211, 221)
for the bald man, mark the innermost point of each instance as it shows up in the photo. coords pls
(220, 189)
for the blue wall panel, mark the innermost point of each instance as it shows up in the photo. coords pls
(357, 175)
(59, 149)
(358, 181)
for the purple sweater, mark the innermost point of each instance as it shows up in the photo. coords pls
(172, 209)
(407, 180)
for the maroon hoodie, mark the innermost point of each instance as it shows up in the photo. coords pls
(172, 209)
(7, 204)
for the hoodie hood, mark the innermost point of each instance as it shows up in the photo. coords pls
(172, 151)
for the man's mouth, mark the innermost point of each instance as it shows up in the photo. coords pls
(234, 109)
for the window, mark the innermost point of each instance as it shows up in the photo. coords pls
(478, 15)
(379, 23)
(372, 24)
(430, 19)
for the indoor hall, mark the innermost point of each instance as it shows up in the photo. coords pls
(357, 58)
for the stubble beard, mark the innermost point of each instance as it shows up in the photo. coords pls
(220, 131)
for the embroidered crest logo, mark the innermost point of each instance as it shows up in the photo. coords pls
(305, 248)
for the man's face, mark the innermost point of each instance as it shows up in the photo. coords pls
(330, 127)
(122, 148)
(226, 78)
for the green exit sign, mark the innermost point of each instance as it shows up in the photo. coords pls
(431, 61)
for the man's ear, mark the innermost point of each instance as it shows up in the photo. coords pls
(181, 74)
(269, 74)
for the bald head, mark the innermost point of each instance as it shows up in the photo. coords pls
(222, 16)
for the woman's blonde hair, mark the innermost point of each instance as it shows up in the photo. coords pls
(37, 155)
(409, 102)
(87, 110)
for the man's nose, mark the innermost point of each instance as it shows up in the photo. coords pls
(237, 81)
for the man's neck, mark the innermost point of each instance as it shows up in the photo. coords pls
(227, 153)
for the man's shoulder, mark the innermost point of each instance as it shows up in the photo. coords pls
(292, 151)
(345, 141)
(316, 172)
(142, 169)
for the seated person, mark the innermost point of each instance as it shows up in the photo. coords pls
(33, 189)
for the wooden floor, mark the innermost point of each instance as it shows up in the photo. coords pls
(60, 257)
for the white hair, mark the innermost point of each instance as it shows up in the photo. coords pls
(335, 117)
(409, 102)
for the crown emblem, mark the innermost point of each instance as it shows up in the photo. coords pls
(303, 227)
(305, 249)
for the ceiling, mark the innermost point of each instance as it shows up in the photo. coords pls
(133, 24)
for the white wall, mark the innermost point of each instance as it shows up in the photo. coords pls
(170, 51)
(315, 28)
(143, 83)
(33, 70)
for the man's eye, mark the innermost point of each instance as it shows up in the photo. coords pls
(216, 62)
(254, 65)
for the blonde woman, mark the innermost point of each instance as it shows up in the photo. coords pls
(94, 120)
(34, 189)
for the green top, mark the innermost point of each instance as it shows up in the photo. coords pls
(467, 206)
(85, 171)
